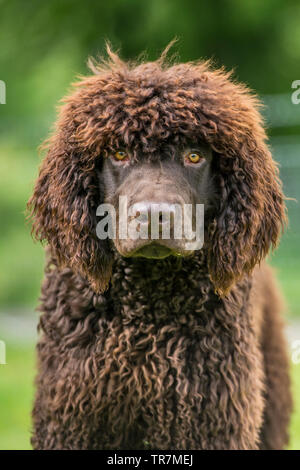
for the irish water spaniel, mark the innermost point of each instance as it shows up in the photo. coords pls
(145, 344)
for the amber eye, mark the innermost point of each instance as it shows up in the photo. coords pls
(193, 157)
(120, 155)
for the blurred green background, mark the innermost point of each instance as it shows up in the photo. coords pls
(44, 46)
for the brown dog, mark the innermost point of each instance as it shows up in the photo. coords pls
(146, 344)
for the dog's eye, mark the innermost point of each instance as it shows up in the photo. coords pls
(120, 155)
(193, 157)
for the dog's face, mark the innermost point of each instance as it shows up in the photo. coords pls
(158, 134)
(160, 196)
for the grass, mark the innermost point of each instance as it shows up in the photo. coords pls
(16, 396)
(295, 423)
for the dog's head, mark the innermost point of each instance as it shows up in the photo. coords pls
(154, 199)
(161, 138)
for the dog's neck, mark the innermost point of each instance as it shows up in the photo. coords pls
(159, 289)
(143, 294)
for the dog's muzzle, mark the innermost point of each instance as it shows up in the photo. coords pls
(157, 231)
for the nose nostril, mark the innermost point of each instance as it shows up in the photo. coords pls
(156, 213)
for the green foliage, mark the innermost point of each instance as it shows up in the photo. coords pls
(21, 259)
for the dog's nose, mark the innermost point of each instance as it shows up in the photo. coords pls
(149, 213)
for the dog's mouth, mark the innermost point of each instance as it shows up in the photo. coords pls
(153, 251)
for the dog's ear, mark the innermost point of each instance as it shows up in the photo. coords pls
(64, 201)
(252, 210)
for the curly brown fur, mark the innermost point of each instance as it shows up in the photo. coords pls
(172, 354)
(278, 402)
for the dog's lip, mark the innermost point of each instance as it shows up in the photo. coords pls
(153, 251)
